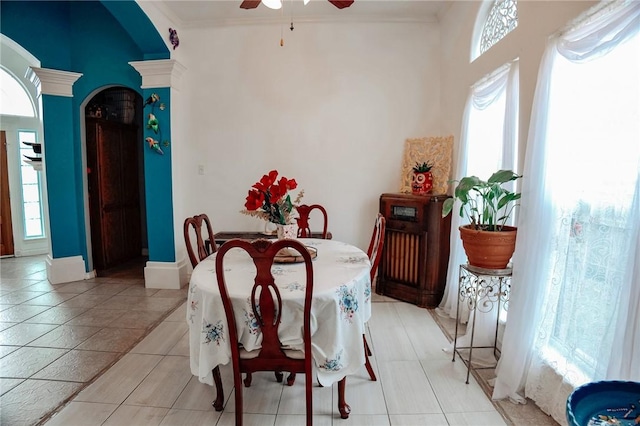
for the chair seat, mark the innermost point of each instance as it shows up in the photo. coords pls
(289, 353)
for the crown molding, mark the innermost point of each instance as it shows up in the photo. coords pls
(278, 20)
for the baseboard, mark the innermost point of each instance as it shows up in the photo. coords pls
(65, 269)
(166, 275)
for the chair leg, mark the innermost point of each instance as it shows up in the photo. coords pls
(343, 407)
(247, 380)
(291, 378)
(219, 401)
(237, 384)
(279, 376)
(367, 363)
(367, 350)
(309, 397)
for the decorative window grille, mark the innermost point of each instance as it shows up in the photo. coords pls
(501, 20)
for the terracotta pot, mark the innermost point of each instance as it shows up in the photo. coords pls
(422, 183)
(488, 249)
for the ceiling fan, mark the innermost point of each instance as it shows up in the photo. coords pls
(277, 4)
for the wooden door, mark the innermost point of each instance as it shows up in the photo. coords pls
(114, 200)
(6, 228)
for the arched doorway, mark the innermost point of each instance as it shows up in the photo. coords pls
(115, 182)
(24, 215)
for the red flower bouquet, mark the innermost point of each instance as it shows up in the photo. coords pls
(268, 199)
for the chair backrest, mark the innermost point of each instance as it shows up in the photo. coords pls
(267, 307)
(304, 212)
(202, 249)
(265, 297)
(376, 245)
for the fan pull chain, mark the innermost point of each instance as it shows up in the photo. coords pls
(291, 3)
(281, 26)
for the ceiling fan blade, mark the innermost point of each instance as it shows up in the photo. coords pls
(341, 4)
(249, 4)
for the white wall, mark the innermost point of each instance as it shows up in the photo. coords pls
(537, 20)
(332, 109)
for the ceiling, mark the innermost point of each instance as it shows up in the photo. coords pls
(203, 13)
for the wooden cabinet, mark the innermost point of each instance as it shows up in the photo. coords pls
(415, 256)
(114, 196)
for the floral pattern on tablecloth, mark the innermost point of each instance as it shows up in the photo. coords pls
(295, 286)
(250, 318)
(193, 305)
(334, 364)
(278, 271)
(213, 333)
(348, 302)
(353, 259)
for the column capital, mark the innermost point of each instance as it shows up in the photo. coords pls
(159, 73)
(53, 82)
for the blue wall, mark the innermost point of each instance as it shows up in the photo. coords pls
(98, 40)
(158, 182)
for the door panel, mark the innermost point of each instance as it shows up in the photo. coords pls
(114, 199)
(6, 227)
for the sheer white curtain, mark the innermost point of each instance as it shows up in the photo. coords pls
(487, 144)
(573, 313)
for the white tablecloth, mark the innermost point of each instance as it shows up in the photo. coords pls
(341, 305)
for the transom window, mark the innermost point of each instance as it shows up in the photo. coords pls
(14, 99)
(501, 20)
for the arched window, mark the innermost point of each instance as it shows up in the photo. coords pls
(14, 99)
(501, 19)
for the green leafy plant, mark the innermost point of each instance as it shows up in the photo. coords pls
(486, 204)
(424, 167)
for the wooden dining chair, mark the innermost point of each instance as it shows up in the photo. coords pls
(266, 306)
(198, 252)
(194, 225)
(375, 254)
(304, 212)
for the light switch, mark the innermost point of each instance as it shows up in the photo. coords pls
(200, 169)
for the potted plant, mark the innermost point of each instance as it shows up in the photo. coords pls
(422, 181)
(487, 240)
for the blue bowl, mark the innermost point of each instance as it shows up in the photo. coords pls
(605, 403)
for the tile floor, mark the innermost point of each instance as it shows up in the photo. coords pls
(151, 383)
(55, 339)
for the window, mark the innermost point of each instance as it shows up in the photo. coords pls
(31, 194)
(501, 20)
(20, 102)
(488, 143)
(485, 130)
(594, 121)
(578, 252)
(492, 123)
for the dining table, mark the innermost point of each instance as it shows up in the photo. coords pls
(340, 308)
